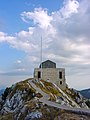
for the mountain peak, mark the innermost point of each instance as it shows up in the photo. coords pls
(35, 99)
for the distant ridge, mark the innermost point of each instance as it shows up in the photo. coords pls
(85, 93)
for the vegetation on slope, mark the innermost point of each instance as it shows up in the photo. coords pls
(68, 97)
(21, 101)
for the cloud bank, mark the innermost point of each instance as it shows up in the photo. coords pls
(65, 35)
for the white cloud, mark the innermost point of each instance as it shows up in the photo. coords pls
(5, 38)
(20, 41)
(39, 17)
(65, 36)
(70, 7)
(18, 61)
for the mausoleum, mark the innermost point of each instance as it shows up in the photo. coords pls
(48, 71)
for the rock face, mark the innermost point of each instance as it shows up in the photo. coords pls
(22, 102)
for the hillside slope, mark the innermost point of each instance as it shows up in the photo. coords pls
(32, 99)
(85, 93)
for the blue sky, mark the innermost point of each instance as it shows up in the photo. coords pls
(64, 26)
(10, 12)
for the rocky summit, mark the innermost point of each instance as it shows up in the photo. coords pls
(42, 100)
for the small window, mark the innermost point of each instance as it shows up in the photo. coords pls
(60, 75)
(60, 82)
(39, 74)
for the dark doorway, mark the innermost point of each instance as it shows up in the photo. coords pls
(39, 74)
(60, 75)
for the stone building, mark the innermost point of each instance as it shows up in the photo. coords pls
(48, 71)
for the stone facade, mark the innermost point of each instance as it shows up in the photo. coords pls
(56, 75)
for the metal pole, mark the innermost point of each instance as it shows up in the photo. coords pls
(41, 57)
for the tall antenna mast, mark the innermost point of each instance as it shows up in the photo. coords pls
(41, 57)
